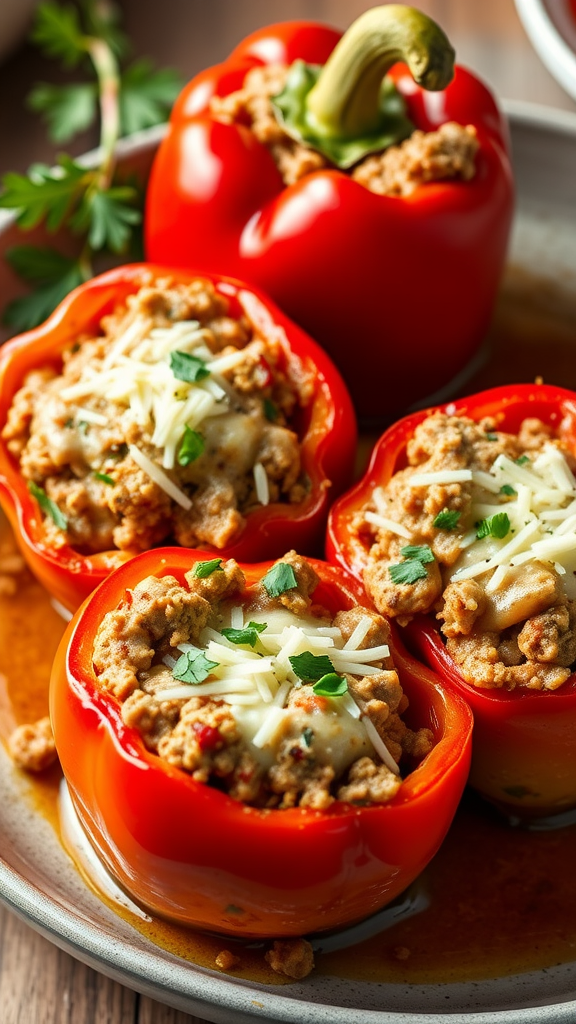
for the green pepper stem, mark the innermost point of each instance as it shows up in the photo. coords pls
(344, 103)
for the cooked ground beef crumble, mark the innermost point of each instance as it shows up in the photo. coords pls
(425, 157)
(316, 752)
(79, 446)
(509, 625)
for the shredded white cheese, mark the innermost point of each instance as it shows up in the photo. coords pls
(152, 469)
(261, 482)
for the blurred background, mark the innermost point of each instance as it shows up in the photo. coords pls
(191, 34)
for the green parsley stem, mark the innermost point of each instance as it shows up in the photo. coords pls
(108, 74)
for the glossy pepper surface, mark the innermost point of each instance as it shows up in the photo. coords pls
(191, 853)
(326, 428)
(398, 289)
(524, 749)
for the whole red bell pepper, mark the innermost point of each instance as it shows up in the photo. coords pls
(327, 431)
(524, 748)
(398, 289)
(190, 852)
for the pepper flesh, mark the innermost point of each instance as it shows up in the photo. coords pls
(327, 431)
(167, 838)
(524, 748)
(412, 278)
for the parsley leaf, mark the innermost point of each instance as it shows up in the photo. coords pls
(270, 411)
(491, 437)
(146, 95)
(67, 109)
(110, 218)
(311, 667)
(447, 519)
(421, 552)
(279, 578)
(204, 569)
(247, 635)
(331, 685)
(55, 276)
(105, 478)
(193, 667)
(507, 489)
(407, 572)
(191, 448)
(188, 368)
(522, 460)
(308, 735)
(49, 507)
(494, 526)
(58, 33)
(46, 193)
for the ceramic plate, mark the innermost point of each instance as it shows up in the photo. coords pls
(39, 882)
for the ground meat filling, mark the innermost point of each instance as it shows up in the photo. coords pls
(173, 422)
(203, 673)
(425, 157)
(492, 518)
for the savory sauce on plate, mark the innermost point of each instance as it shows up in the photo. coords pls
(495, 900)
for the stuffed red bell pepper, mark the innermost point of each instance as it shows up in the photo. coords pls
(375, 210)
(464, 531)
(154, 406)
(247, 748)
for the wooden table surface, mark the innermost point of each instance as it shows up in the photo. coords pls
(39, 984)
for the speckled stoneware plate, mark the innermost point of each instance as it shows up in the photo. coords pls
(39, 882)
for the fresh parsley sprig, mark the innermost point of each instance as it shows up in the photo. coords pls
(89, 201)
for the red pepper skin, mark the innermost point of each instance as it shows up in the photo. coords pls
(524, 749)
(328, 433)
(412, 278)
(191, 853)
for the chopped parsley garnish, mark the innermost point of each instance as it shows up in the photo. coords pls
(188, 368)
(507, 489)
(522, 460)
(421, 552)
(69, 423)
(204, 569)
(310, 668)
(279, 578)
(491, 437)
(408, 571)
(105, 478)
(193, 667)
(247, 635)
(83, 427)
(308, 735)
(447, 519)
(270, 411)
(495, 526)
(331, 685)
(49, 507)
(191, 448)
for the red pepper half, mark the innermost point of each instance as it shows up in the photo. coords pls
(190, 852)
(327, 432)
(524, 749)
(398, 289)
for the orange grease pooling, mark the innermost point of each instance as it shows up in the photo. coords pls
(501, 900)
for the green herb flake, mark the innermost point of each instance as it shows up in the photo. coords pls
(49, 507)
(193, 667)
(247, 635)
(522, 460)
(421, 552)
(69, 424)
(508, 490)
(491, 437)
(105, 478)
(83, 426)
(204, 569)
(191, 448)
(310, 668)
(447, 519)
(495, 526)
(270, 410)
(407, 572)
(308, 736)
(188, 368)
(233, 909)
(331, 685)
(280, 578)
